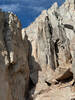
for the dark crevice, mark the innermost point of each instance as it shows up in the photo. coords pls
(56, 51)
(73, 99)
(46, 59)
(50, 29)
(68, 26)
(56, 14)
(73, 83)
(49, 84)
(49, 25)
(6, 25)
(31, 84)
(67, 79)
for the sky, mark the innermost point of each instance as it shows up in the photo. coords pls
(27, 10)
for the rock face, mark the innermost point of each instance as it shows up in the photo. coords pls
(40, 55)
(14, 70)
(43, 53)
(50, 41)
(52, 37)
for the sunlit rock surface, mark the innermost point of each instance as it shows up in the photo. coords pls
(52, 48)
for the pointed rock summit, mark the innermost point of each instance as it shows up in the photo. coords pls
(38, 62)
(52, 42)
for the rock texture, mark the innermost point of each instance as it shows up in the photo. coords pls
(14, 70)
(38, 62)
(52, 45)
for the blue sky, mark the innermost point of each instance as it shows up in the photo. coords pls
(27, 10)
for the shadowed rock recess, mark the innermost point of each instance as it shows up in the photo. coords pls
(38, 62)
(14, 70)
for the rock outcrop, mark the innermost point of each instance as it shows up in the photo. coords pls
(51, 37)
(50, 42)
(14, 70)
(38, 62)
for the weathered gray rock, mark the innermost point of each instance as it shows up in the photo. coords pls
(14, 70)
(50, 43)
(45, 52)
(73, 58)
(51, 37)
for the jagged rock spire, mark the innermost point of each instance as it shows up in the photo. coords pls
(72, 3)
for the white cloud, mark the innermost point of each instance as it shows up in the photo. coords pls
(37, 9)
(10, 7)
(17, 7)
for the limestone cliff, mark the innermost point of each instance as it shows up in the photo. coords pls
(52, 40)
(14, 70)
(38, 62)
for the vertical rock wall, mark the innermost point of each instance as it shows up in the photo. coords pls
(50, 40)
(14, 70)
